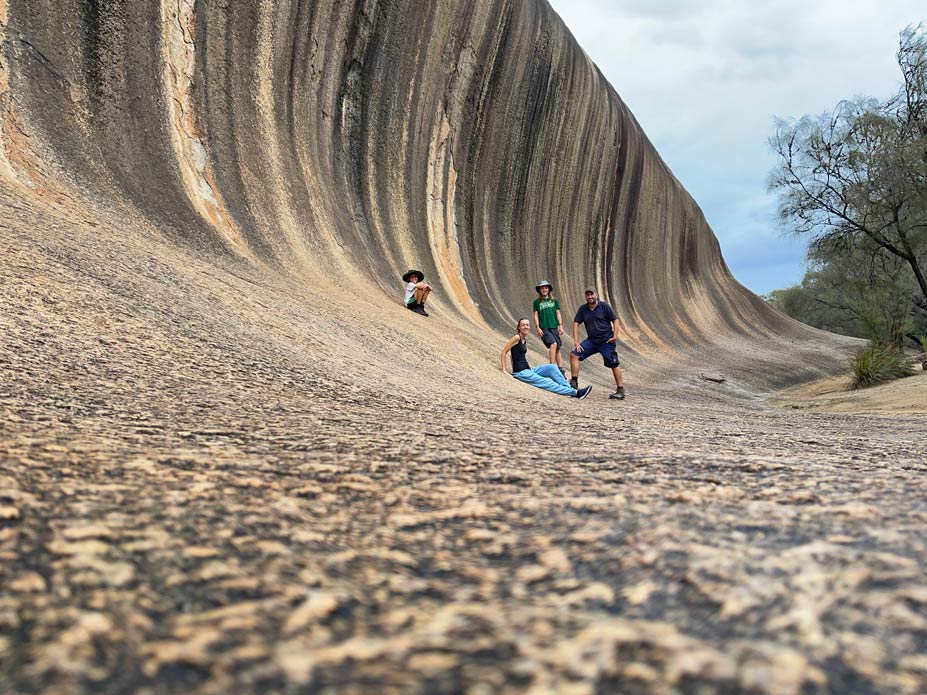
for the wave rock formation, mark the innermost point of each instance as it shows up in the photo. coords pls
(232, 462)
(473, 139)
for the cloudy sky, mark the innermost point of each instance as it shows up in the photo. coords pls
(706, 78)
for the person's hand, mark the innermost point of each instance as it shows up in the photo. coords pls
(540, 333)
(559, 330)
(579, 346)
(611, 340)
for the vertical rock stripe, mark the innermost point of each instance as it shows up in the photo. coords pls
(356, 138)
(179, 32)
(5, 169)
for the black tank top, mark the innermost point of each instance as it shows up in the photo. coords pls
(519, 362)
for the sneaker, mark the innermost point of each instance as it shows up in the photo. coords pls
(574, 383)
(421, 310)
(583, 392)
(618, 395)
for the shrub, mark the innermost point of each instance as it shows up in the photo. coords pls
(876, 364)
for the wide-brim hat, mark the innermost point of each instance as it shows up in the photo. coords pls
(543, 283)
(421, 275)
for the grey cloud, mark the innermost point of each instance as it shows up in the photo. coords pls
(705, 78)
(666, 9)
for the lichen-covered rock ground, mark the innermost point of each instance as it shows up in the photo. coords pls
(215, 478)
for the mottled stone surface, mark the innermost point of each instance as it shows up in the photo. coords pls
(472, 139)
(231, 462)
(203, 491)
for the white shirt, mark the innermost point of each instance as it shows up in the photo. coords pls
(410, 290)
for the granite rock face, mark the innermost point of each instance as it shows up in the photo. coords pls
(232, 462)
(473, 139)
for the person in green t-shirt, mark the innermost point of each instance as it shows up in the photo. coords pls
(548, 322)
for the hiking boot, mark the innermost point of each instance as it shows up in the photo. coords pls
(574, 383)
(420, 309)
(618, 395)
(583, 392)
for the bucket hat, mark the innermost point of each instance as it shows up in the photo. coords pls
(537, 288)
(421, 275)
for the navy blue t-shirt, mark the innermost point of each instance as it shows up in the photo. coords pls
(598, 321)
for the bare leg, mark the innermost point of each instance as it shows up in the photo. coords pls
(574, 365)
(552, 354)
(616, 372)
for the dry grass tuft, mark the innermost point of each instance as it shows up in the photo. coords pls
(877, 364)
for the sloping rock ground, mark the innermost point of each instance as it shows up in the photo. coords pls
(218, 479)
(231, 462)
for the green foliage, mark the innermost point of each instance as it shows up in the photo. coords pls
(805, 302)
(877, 364)
(855, 181)
(860, 291)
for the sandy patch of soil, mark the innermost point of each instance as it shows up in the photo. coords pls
(830, 395)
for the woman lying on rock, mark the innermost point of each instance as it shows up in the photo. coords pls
(547, 376)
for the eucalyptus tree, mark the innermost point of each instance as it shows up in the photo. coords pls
(856, 178)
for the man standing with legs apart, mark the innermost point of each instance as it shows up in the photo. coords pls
(601, 334)
(548, 322)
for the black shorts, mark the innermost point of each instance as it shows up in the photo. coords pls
(551, 336)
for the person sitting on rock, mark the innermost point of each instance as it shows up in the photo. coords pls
(417, 291)
(546, 377)
(601, 335)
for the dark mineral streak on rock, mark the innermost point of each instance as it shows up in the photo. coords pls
(232, 462)
(474, 139)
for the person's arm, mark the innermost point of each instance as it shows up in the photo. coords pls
(505, 351)
(614, 319)
(578, 346)
(537, 324)
(614, 337)
(559, 323)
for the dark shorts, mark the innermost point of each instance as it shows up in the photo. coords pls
(550, 337)
(607, 350)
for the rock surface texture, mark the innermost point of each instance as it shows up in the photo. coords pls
(231, 462)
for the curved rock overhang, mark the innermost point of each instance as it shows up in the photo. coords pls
(474, 139)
